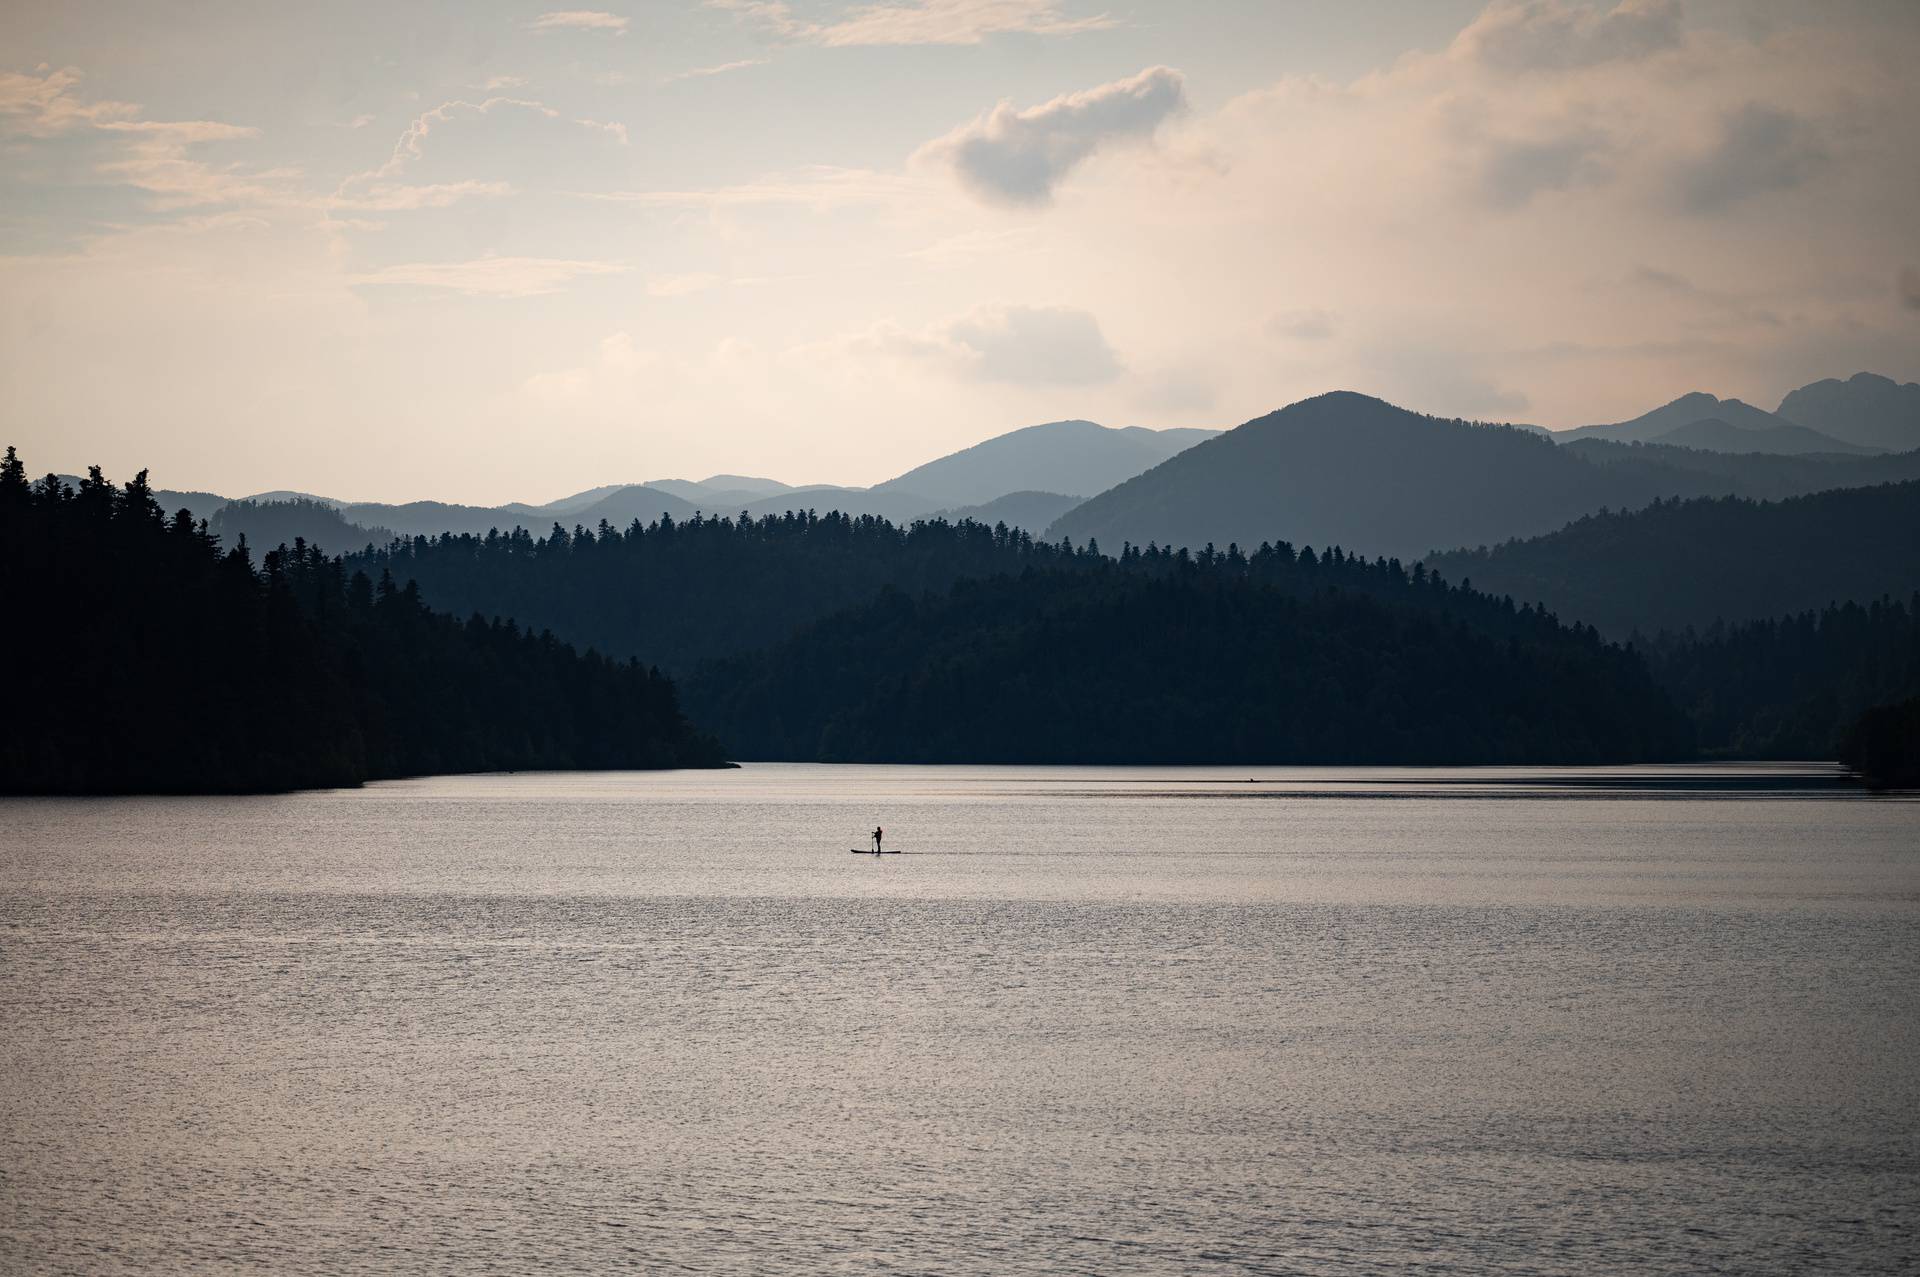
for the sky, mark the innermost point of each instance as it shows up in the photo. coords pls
(484, 251)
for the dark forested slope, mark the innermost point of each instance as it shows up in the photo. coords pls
(1715, 435)
(1883, 745)
(1670, 471)
(1793, 686)
(1030, 511)
(677, 593)
(146, 659)
(282, 522)
(1676, 564)
(1167, 658)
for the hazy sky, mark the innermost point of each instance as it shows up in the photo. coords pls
(490, 251)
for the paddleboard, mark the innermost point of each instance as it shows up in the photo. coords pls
(868, 851)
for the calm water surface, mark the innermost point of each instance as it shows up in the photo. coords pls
(1098, 1021)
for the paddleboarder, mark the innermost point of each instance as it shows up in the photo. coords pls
(877, 832)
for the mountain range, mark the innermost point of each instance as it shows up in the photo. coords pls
(1349, 470)
(1341, 468)
(1028, 477)
(1699, 420)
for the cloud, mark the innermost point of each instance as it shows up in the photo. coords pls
(1018, 157)
(1009, 345)
(411, 145)
(158, 160)
(925, 22)
(617, 363)
(498, 82)
(392, 197)
(1513, 172)
(1034, 346)
(820, 187)
(697, 73)
(490, 276)
(43, 106)
(579, 20)
(1909, 286)
(969, 249)
(1551, 35)
(154, 156)
(1760, 149)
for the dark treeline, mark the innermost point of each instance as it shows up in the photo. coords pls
(161, 661)
(147, 659)
(818, 660)
(1883, 746)
(1678, 564)
(674, 594)
(1169, 658)
(1795, 686)
(677, 594)
(283, 522)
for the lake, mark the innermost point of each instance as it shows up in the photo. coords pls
(1158, 1020)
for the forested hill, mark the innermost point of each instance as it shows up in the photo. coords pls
(1164, 658)
(674, 594)
(1677, 564)
(1670, 471)
(282, 522)
(1799, 686)
(147, 659)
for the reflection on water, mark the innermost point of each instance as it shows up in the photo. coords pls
(1098, 1020)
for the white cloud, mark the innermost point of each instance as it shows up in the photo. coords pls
(579, 20)
(490, 276)
(1011, 156)
(924, 22)
(820, 187)
(411, 145)
(697, 73)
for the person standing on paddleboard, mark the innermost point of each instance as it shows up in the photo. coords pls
(877, 832)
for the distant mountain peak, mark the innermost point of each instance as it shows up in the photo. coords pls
(1074, 457)
(1866, 409)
